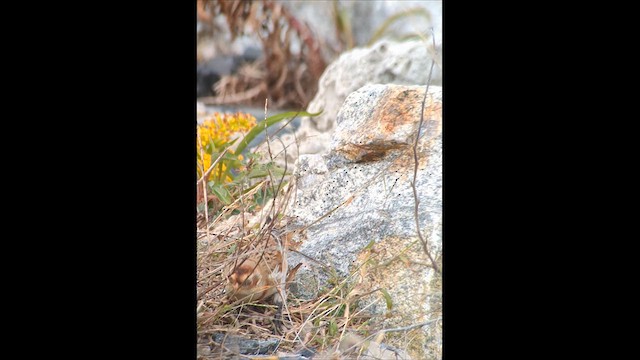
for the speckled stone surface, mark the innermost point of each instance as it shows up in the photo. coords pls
(357, 205)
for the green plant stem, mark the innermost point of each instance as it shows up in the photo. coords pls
(267, 123)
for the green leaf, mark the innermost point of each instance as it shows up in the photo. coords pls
(238, 180)
(262, 170)
(261, 197)
(258, 172)
(209, 148)
(227, 173)
(333, 328)
(226, 309)
(277, 171)
(231, 159)
(387, 298)
(234, 165)
(232, 249)
(221, 193)
(267, 123)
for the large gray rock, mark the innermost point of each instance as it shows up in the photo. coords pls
(387, 62)
(356, 206)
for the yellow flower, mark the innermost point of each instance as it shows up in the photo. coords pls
(217, 130)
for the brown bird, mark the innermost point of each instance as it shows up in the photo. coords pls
(258, 277)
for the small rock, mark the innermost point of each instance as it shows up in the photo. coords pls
(204, 350)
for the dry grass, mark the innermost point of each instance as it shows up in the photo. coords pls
(289, 77)
(335, 325)
(227, 329)
(227, 326)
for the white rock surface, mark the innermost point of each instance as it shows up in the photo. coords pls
(360, 193)
(387, 62)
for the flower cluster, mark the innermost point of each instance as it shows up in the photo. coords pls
(214, 135)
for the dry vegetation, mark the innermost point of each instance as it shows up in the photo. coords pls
(228, 328)
(335, 324)
(289, 78)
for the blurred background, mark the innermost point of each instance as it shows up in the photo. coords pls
(251, 50)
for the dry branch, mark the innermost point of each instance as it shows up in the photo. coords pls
(424, 243)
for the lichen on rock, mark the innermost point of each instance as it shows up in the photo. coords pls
(357, 208)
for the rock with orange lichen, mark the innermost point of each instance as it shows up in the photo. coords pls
(356, 204)
(385, 62)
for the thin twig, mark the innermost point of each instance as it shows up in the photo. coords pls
(267, 139)
(323, 265)
(410, 327)
(282, 244)
(204, 185)
(230, 207)
(206, 174)
(415, 173)
(205, 291)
